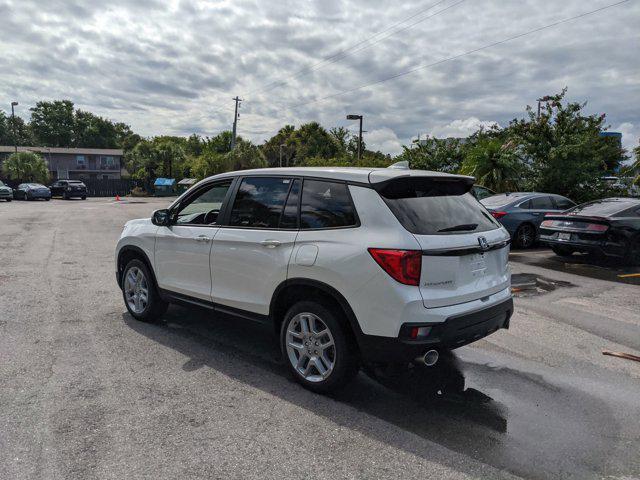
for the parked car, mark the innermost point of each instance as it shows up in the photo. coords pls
(481, 192)
(610, 227)
(521, 213)
(68, 189)
(31, 191)
(348, 266)
(6, 192)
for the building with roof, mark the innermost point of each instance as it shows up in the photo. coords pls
(76, 163)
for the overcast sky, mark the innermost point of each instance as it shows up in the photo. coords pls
(172, 67)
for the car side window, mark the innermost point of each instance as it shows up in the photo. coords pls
(204, 207)
(326, 204)
(525, 205)
(260, 201)
(289, 217)
(541, 203)
(564, 203)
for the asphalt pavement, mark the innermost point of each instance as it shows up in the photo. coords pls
(87, 392)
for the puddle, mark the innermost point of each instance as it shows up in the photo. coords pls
(530, 284)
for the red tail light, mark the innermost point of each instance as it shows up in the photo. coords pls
(597, 227)
(402, 265)
(498, 215)
(547, 223)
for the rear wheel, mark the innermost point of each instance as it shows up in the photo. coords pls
(317, 347)
(632, 256)
(83, 197)
(140, 294)
(562, 251)
(525, 236)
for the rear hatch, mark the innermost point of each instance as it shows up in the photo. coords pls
(465, 250)
(573, 228)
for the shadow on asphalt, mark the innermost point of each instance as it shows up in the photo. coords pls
(508, 419)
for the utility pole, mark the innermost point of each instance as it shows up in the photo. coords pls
(358, 117)
(540, 100)
(235, 123)
(13, 126)
(281, 145)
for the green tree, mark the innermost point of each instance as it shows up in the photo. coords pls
(158, 157)
(208, 164)
(26, 167)
(564, 149)
(52, 123)
(92, 131)
(245, 155)
(221, 143)
(494, 164)
(439, 155)
(10, 125)
(271, 148)
(312, 140)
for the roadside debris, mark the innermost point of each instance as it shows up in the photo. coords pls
(628, 356)
(529, 284)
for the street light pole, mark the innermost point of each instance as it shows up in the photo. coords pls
(358, 117)
(13, 126)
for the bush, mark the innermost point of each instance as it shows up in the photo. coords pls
(26, 167)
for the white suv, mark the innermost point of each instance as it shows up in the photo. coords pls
(351, 266)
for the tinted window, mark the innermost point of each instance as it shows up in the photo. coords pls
(290, 215)
(563, 203)
(429, 207)
(260, 202)
(501, 200)
(602, 208)
(203, 209)
(541, 203)
(326, 205)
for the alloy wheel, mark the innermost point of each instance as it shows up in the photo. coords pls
(136, 289)
(310, 347)
(526, 236)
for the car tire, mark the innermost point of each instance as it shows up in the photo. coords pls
(64, 196)
(525, 236)
(83, 197)
(317, 347)
(138, 284)
(47, 199)
(632, 256)
(562, 251)
(8, 199)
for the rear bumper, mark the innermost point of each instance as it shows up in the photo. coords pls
(600, 246)
(454, 332)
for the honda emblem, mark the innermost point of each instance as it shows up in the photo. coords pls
(484, 245)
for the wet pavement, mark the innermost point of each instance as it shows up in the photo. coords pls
(87, 392)
(612, 270)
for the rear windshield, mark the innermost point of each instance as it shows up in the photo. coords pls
(426, 206)
(500, 200)
(601, 208)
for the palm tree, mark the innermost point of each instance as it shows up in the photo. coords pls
(494, 165)
(26, 166)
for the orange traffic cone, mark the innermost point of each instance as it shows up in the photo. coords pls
(117, 198)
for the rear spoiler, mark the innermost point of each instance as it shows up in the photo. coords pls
(458, 184)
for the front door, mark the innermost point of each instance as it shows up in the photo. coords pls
(251, 253)
(183, 248)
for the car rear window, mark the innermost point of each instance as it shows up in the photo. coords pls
(500, 200)
(601, 208)
(426, 206)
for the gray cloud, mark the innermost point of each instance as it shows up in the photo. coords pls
(172, 67)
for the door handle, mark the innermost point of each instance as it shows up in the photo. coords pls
(202, 238)
(270, 243)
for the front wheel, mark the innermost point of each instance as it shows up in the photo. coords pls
(525, 236)
(317, 347)
(140, 294)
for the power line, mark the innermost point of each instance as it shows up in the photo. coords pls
(454, 57)
(354, 48)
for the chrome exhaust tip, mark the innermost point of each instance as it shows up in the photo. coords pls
(429, 359)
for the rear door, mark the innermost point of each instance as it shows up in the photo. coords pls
(539, 206)
(465, 250)
(251, 252)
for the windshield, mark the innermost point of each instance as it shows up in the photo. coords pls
(602, 208)
(428, 207)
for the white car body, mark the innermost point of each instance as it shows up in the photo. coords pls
(241, 270)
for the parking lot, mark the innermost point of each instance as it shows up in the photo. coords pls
(87, 392)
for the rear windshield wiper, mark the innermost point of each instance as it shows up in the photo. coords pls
(460, 228)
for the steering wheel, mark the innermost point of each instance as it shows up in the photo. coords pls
(210, 217)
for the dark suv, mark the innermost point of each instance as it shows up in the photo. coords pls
(69, 189)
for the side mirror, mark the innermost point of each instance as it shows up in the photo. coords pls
(161, 218)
